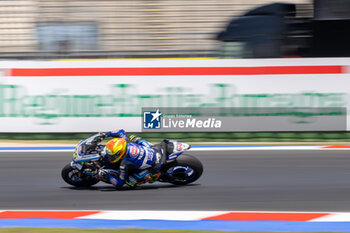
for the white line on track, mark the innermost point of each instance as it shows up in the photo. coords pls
(224, 148)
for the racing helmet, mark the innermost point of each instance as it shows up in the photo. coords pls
(114, 150)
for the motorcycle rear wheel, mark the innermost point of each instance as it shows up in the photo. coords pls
(76, 178)
(184, 170)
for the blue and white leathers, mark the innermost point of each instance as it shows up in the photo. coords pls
(139, 156)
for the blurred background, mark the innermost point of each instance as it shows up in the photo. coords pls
(173, 28)
(87, 29)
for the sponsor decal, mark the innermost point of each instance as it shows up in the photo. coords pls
(134, 151)
(150, 155)
(179, 146)
(114, 181)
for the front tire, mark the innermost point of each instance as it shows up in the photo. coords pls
(184, 170)
(76, 178)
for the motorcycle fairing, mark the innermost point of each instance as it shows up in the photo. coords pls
(178, 149)
(81, 152)
(88, 157)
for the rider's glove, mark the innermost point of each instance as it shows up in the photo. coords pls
(98, 139)
(119, 133)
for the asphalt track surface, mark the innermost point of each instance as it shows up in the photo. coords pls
(300, 180)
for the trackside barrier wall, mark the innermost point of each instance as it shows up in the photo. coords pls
(283, 137)
(100, 95)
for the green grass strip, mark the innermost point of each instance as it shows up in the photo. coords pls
(343, 136)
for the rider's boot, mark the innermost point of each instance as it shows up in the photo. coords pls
(138, 178)
(154, 177)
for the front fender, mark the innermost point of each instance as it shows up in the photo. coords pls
(76, 165)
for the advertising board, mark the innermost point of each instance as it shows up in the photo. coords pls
(91, 96)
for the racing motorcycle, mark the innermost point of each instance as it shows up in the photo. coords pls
(179, 168)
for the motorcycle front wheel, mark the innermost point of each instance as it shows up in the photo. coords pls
(77, 178)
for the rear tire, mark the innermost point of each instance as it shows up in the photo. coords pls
(76, 178)
(186, 161)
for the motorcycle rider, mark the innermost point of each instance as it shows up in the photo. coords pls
(133, 154)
